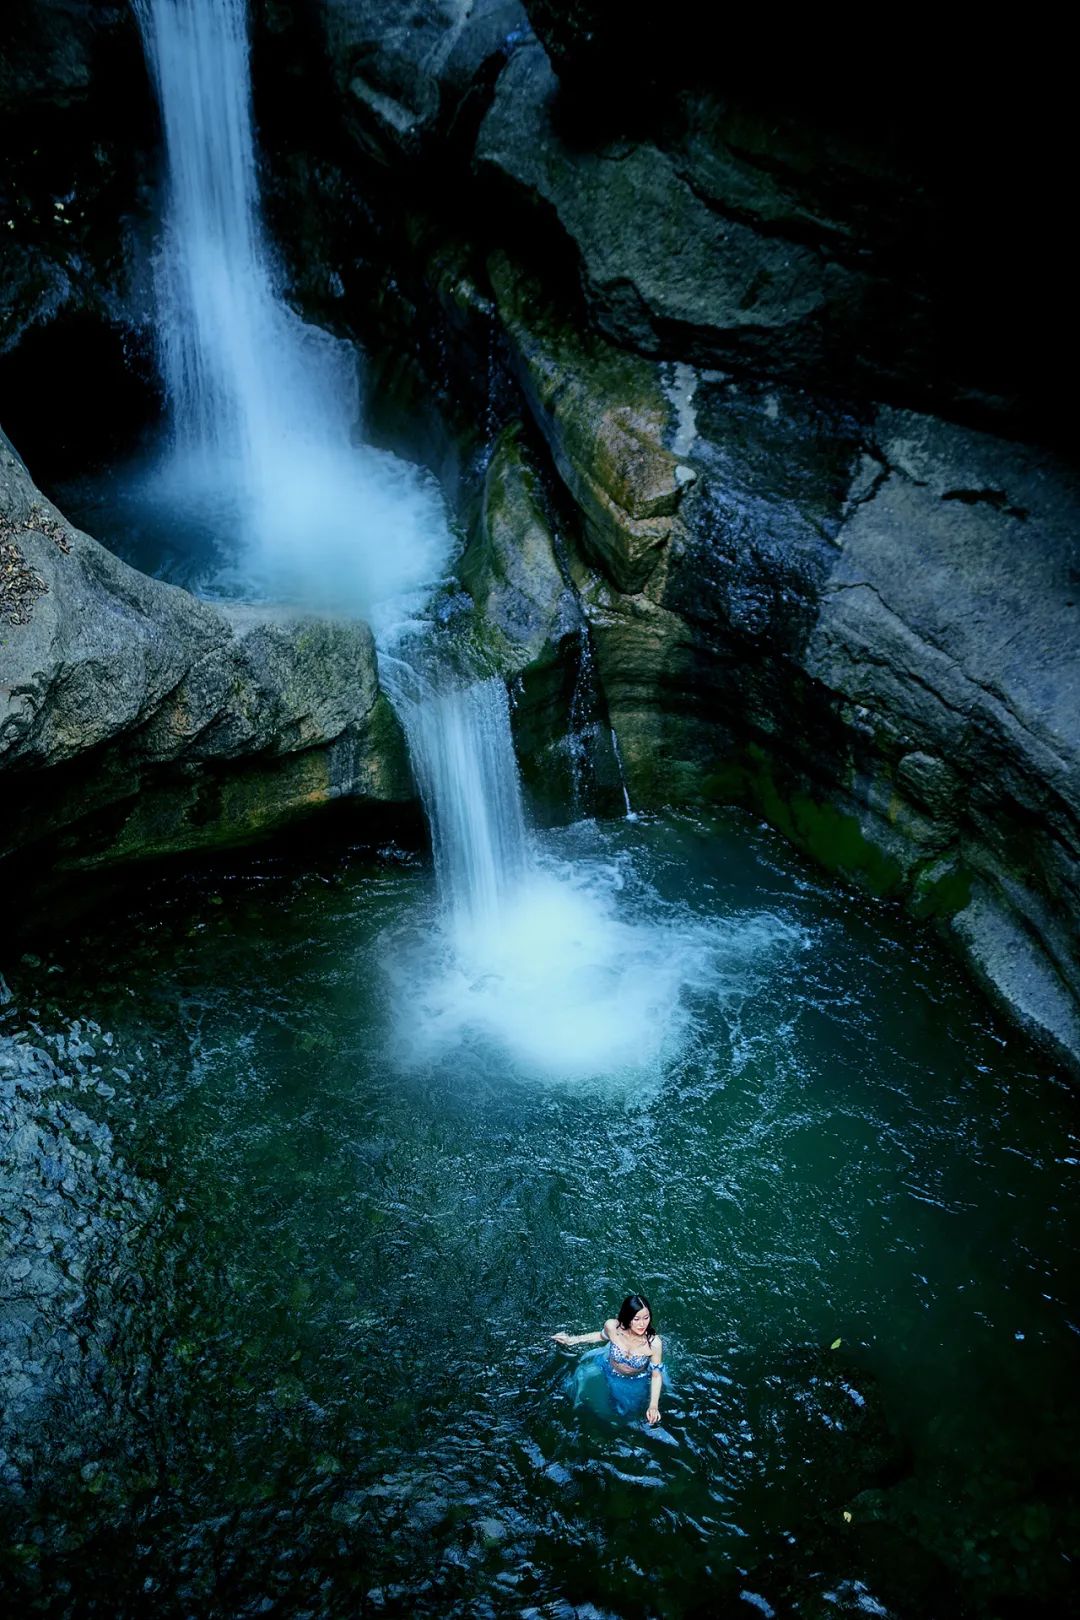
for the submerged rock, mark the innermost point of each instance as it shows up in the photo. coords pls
(843, 1571)
(73, 1213)
(137, 720)
(819, 1432)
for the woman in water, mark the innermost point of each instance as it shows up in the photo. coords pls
(634, 1354)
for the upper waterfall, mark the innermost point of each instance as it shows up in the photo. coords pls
(263, 406)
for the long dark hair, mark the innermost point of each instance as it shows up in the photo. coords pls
(629, 1309)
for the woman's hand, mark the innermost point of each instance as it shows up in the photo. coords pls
(561, 1338)
(652, 1415)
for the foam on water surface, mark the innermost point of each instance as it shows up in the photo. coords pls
(587, 973)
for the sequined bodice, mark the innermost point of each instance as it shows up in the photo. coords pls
(625, 1359)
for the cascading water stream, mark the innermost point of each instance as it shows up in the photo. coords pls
(263, 406)
(463, 756)
(531, 953)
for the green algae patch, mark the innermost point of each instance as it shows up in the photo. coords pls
(941, 889)
(833, 837)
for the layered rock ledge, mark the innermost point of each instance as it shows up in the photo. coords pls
(863, 629)
(136, 720)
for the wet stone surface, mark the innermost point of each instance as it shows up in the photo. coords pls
(69, 1208)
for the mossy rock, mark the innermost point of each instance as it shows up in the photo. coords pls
(607, 421)
(524, 605)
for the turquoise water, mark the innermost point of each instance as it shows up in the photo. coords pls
(318, 1378)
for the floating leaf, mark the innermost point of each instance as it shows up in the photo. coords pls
(836, 1344)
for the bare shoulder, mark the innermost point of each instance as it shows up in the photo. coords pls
(656, 1349)
(609, 1327)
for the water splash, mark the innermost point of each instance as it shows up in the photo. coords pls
(587, 973)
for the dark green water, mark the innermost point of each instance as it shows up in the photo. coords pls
(319, 1379)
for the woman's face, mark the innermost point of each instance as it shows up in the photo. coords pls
(640, 1322)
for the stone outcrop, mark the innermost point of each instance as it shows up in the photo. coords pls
(137, 720)
(864, 628)
(603, 415)
(403, 76)
(693, 252)
(510, 568)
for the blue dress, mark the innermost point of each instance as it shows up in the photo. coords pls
(608, 1393)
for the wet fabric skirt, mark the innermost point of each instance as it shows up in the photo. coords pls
(610, 1394)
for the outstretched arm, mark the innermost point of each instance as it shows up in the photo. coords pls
(656, 1382)
(583, 1338)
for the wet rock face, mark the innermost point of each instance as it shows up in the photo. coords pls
(859, 622)
(71, 1212)
(75, 120)
(135, 719)
(402, 74)
(511, 569)
(946, 635)
(529, 626)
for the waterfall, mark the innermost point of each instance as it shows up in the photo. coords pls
(263, 407)
(246, 380)
(532, 954)
(463, 755)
